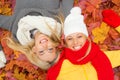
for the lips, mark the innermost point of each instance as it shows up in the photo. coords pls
(76, 47)
(43, 40)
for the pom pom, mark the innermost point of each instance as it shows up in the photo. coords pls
(75, 10)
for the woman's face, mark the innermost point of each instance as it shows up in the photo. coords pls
(75, 41)
(44, 47)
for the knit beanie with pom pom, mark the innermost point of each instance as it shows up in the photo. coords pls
(74, 22)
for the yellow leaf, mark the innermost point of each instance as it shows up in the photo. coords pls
(19, 75)
(100, 33)
(17, 53)
(2, 75)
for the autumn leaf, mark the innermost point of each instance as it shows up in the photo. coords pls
(76, 2)
(7, 7)
(100, 33)
(114, 34)
(10, 65)
(1, 76)
(117, 2)
(19, 75)
(30, 77)
(16, 53)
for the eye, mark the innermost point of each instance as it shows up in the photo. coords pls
(79, 36)
(41, 52)
(69, 38)
(50, 50)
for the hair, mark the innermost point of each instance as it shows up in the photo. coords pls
(27, 49)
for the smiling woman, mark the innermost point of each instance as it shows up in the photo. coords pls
(82, 48)
(38, 35)
(44, 48)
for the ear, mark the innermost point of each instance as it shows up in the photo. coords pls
(34, 49)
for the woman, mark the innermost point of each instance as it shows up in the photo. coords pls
(82, 48)
(49, 8)
(45, 32)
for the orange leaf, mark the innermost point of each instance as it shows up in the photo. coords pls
(10, 65)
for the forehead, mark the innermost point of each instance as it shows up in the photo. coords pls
(75, 34)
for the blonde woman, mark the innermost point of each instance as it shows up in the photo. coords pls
(38, 35)
(83, 59)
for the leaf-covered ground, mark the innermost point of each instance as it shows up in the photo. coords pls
(7, 7)
(19, 68)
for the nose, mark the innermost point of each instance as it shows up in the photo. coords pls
(75, 41)
(45, 45)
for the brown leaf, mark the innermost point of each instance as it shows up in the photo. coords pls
(114, 34)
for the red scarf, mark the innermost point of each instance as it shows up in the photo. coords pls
(98, 59)
(55, 69)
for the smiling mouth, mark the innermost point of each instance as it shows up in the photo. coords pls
(76, 47)
(43, 40)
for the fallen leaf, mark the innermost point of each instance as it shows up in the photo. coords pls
(19, 75)
(100, 33)
(114, 34)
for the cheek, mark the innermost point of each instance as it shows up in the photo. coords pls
(47, 56)
(43, 57)
(69, 44)
(83, 41)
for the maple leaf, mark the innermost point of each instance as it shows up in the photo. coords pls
(117, 2)
(114, 34)
(19, 75)
(16, 53)
(10, 65)
(8, 74)
(26, 65)
(106, 4)
(7, 6)
(30, 77)
(100, 33)
(2, 75)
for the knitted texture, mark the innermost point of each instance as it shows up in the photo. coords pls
(98, 59)
(111, 18)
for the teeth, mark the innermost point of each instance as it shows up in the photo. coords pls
(77, 47)
(44, 40)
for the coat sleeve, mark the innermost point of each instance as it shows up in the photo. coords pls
(5, 22)
(103, 66)
(114, 57)
(66, 6)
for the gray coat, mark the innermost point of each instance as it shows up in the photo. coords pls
(45, 7)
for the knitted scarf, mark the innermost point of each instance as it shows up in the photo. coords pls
(97, 58)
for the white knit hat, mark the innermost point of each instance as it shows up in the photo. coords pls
(41, 23)
(74, 22)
